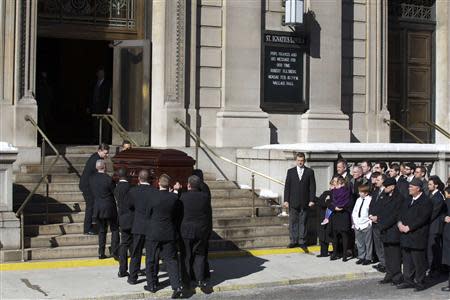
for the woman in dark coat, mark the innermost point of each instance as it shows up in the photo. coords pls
(446, 238)
(340, 220)
(323, 232)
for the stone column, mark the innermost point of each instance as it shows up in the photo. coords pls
(17, 73)
(241, 122)
(325, 121)
(9, 223)
(442, 68)
(168, 73)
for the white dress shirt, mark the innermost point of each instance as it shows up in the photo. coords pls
(300, 171)
(360, 214)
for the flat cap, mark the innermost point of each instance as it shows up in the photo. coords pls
(416, 182)
(389, 181)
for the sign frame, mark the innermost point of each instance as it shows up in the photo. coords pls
(291, 40)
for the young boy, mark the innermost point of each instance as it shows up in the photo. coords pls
(363, 226)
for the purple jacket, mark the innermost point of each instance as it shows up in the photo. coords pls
(340, 197)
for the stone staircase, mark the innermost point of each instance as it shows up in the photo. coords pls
(54, 217)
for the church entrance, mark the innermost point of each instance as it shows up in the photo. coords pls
(65, 87)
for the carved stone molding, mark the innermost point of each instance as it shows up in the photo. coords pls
(175, 50)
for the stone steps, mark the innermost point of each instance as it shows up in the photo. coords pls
(91, 251)
(77, 228)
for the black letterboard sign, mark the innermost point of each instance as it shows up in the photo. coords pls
(282, 66)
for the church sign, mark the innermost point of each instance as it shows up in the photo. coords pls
(282, 72)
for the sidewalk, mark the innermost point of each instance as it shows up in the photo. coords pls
(230, 273)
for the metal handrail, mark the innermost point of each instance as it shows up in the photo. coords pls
(19, 212)
(115, 125)
(199, 141)
(415, 137)
(438, 128)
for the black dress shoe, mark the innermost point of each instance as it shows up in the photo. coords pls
(419, 287)
(178, 293)
(405, 285)
(376, 266)
(292, 245)
(446, 289)
(103, 256)
(141, 273)
(382, 269)
(90, 233)
(121, 275)
(151, 288)
(334, 257)
(360, 261)
(366, 262)
(132, 282)
(344, 259)
(322, 255)
(385, 280)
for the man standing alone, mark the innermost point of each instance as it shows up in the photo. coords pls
(299, 195)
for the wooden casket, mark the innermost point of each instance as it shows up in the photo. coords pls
(177, 164)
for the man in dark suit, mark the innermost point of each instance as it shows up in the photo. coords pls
(126, 217)
(342, 170)
(102, 187)
(376, 205)
(446, 238)
(390, 235)
(420, 173)
(205, 189)
(402, 184)
(162, 213)
(434, 250)
(88, 171)
(138, 199)
(100, 102)
(195, 229)
(414, 222)
(299, 195)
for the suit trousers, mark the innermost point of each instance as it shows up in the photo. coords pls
(364, 243)
(297, 225)
(89, 200)
(136, 256)
(195, 257)
(102, 230)
(323, 248)
(414, 265)
(168, 252)
(434, 251)
(126, 243)
(393, 259)
(376, 233)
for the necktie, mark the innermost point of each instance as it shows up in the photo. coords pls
(360, 208)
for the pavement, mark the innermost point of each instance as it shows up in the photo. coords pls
(263, 269)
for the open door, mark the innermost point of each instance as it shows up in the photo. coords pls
(131, 89)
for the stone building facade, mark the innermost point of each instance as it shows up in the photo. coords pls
(201, 61)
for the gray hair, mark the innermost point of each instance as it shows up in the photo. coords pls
(100, 164)
(194, 181)
(358, 167)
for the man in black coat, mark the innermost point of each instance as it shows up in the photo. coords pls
(100, 103)
(390, 235)
(299, 195)
(126, 217)
(414, 222)
(195, 229)
(88, 171)
(138, 199)
(434, 249)
(376, 205)
(446, 238)
(161, 234)
(102, 187)
(402, 184)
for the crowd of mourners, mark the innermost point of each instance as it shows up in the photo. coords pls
(170, 222)
(393, 217)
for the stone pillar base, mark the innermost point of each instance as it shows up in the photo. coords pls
(324, 127)
(9, 231)
(242, 129)
(165, 131)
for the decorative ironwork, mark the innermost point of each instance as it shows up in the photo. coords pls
(412, 10)
(101, 13)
